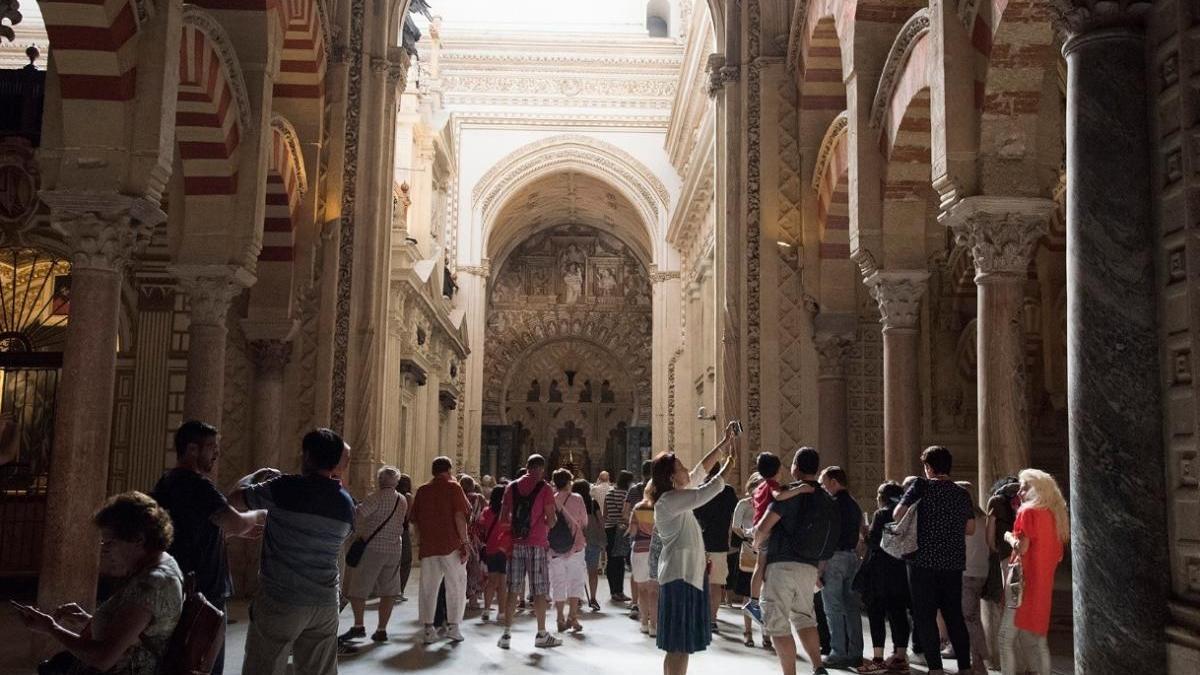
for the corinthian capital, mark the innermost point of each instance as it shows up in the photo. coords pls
(899, 297)
(1081, 16)
(103, 230)
(270, 356)
(211, 289)
(832, 353)
(1001, 232)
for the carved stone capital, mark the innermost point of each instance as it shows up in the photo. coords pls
(719, 74)
(103, 230)
(379, 64)
(270, 356)
(1001, 232)
(481, 270)
(899, 297)
(211, 289)
(1077, 17)
(833, 350)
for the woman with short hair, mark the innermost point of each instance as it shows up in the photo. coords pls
(683, 609)
(129, 632)
(1037, 538)
(568, 571)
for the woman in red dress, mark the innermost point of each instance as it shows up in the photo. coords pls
(1037, 539)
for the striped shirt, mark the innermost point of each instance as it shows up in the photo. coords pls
(614, 502)
(308, 519)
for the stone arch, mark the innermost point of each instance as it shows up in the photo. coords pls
(213, 106)
(533, 361)
(902, 112)
(1022, 114)
(305, 48)
(574, 153)
(831, 183)
(95, 51)
(286, 185)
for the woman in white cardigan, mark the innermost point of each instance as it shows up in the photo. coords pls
(683, 610)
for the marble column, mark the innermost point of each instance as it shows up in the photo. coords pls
(210, 290)
(1001, 233)
(834, 338)
(270, 356)
(102, 232)
(148, 453)
(899, 296)
(1114, 400)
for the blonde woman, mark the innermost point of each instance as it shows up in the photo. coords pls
(1037, 539)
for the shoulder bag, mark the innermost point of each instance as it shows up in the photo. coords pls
(900, 538)
(359, 547)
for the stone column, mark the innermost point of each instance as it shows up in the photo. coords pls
(665, 338)
(899, 296)
(1001, 234)
(1114, 400)
(156, 305)
(210, 290)
(833, 439)
(269, 356)
(103, 232)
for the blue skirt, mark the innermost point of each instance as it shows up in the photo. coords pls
(683, 623)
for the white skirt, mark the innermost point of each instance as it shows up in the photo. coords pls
(568, 577)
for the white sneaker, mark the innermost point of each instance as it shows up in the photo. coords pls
(505, 640)
(546, 640)
(430, 636)
(485, 617)
(454, 633)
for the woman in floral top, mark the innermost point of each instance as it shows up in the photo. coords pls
(128, 634)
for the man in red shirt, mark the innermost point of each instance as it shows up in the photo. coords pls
(528, 510)
(439, 511)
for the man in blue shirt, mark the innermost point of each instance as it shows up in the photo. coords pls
(309, 516)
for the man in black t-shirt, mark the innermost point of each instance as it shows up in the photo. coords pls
(839, 599)
(201, 515)
(716, 521)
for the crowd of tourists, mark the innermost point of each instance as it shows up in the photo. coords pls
(794, 551)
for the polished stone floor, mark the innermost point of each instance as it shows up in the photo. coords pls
(609, 643)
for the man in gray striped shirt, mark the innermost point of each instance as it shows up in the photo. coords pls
(309, 516)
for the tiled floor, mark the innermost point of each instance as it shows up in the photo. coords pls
(610, 643)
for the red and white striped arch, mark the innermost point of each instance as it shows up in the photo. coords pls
(211, 110)
(822, 86)
(302, 65)
(1013, 40)
(831, 182)
(285, 188)
(94, 47)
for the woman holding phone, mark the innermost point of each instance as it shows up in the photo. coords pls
(683, 609)
(128, 634)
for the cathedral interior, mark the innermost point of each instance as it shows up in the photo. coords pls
(601, 230)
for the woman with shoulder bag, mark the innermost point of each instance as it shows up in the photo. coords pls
(497, 546)
(887, 590)
(1037, 539)
(596, 540)
(568, 570)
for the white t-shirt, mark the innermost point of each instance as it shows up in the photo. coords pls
(977, 552)
(599, 492)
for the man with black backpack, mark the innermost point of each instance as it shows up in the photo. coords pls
(800, 534)
(528, 510)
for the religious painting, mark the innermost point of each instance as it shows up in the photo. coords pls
(60, 301)
(540, 278)
(605, 276)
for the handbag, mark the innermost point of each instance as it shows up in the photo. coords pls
(197, 638)
(359, 547)
(900, 538)
(1014, 584)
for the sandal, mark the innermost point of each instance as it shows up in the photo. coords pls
(748, 639)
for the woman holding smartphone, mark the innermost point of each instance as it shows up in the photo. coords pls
(128, 634)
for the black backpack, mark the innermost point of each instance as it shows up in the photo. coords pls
(815, 537)
(522, 510)
(561, 538)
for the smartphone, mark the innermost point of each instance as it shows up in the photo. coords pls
(737, 428)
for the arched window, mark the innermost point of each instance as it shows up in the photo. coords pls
(658, 18)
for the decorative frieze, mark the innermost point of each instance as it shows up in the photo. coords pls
(899, 297)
